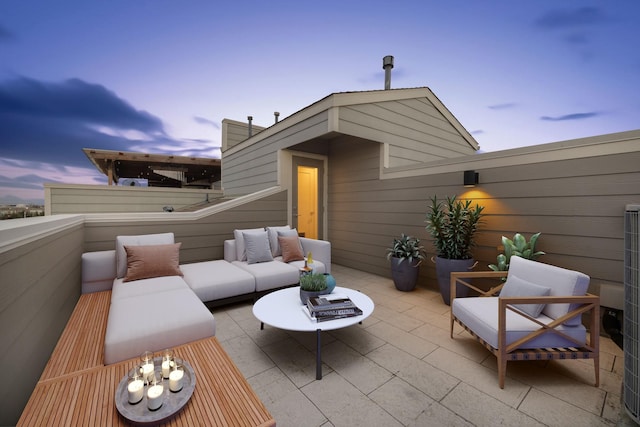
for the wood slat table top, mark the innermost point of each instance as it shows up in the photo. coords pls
(81, 345)
(222, 396)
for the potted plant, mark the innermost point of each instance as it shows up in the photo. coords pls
(405, 255)
(452, 224)
(312, 285)
(519, 247)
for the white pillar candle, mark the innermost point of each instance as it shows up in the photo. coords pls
(175, 379)
(147, 371)
(154, 396)
(166, 368)
(136, 390)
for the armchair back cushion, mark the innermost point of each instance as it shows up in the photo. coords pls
(562, 282)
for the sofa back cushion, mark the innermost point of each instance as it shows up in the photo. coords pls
(561, 281)
(273, 238)
(241, 251)
(141, 240)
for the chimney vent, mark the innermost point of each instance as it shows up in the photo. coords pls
(276, 114)
(250, 118)
(387, 65)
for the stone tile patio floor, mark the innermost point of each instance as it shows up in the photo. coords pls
(401, 368)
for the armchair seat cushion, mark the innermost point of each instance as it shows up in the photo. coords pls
(481, 316)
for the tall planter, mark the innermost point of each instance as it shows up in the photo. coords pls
(405, 273)
(444, 268)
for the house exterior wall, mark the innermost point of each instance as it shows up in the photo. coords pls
(413, 129)
(576, 203)
(255, 166)
(75, 198)
(234, 132)
(40, 285)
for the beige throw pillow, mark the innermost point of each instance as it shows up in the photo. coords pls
(291, 249)
(145, 262)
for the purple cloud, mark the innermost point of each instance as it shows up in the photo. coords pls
(574, 116)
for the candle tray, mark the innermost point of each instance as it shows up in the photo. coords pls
(139, 413)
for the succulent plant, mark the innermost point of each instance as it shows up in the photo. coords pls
(519, 247)
(453, 224)
(313, 282)
(406, 247)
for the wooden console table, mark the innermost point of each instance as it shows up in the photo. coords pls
(77, 390)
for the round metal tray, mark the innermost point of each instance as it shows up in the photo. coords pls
(139, 413)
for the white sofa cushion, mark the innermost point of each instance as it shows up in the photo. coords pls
(139, 288)
(155, 321)
(271, 275)
(145, 239)
(517, 287)
(318, 266)
(213, 280)
(481, 316)
(562, 282)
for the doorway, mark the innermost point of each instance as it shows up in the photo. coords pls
(308, 190)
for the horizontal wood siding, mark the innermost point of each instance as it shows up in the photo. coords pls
(203, 239)
(40, 284)
(234, 132)
(414, 129)
(577, 205)
(72, 199)
(255, 167)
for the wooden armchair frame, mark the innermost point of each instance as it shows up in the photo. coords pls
(587, 303)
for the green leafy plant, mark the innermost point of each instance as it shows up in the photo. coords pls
(314, 282)
(452, 224)
(519, 247)
(406, 248)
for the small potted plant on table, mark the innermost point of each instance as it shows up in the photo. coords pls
(405, 255)
(312, 285)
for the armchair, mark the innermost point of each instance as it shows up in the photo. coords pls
(536, 316)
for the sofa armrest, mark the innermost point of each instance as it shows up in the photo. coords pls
(230, 254)
(321, 250)
(98, 271)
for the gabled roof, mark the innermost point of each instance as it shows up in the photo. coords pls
(345, 99)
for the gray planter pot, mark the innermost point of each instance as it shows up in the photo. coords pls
(305, 295)
(405, 273)
(444, 267)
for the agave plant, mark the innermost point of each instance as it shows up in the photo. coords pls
(519, 247)
(453, 224)
(406, 248)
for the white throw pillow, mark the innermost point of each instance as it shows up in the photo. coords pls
(517, 287)
(257, 247)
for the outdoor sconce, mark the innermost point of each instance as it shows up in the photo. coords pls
(471, 178)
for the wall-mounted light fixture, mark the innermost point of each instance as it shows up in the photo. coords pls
(471, 178)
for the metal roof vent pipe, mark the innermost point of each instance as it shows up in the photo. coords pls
(387, 65)
(276, 114)
(250, 118)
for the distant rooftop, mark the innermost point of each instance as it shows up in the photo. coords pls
(160, 170)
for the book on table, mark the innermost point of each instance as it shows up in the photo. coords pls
(324, 308)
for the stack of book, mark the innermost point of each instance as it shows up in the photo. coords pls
(325, 308)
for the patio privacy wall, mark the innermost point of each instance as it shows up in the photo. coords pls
(576, 203)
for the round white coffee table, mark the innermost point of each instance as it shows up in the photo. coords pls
(283, 310)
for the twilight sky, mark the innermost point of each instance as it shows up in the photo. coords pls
(159, 76)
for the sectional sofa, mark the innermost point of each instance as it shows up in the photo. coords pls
(156, 302)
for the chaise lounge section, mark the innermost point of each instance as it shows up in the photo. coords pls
(157, 303)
